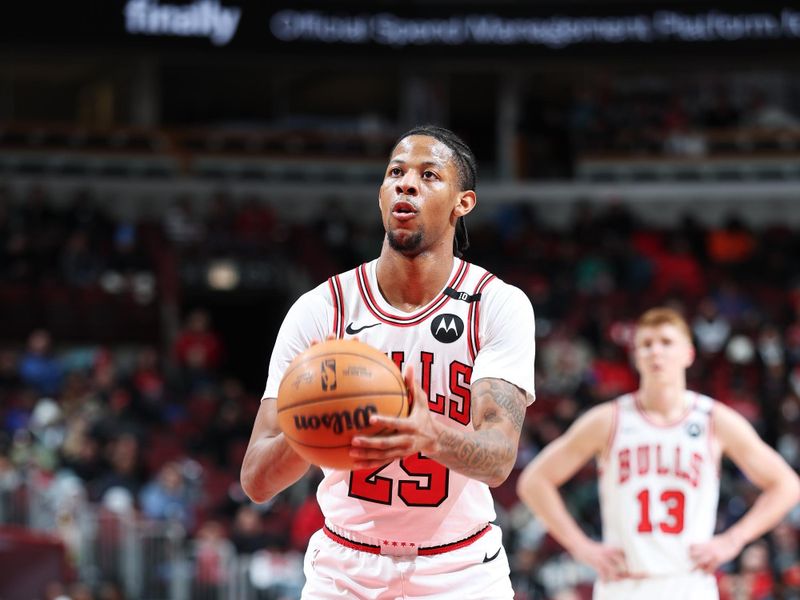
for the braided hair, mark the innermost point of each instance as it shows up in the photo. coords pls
(466, 165)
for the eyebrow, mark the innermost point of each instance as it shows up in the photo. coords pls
(427, 163)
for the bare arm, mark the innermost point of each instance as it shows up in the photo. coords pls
(486, 454)
(766, 469)
(270, 465)
(538, 486)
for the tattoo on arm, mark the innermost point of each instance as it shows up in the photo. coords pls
(480, 454)
(503, 396)
(488, 453)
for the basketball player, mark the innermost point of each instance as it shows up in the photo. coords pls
(658, 453)
(414, 519)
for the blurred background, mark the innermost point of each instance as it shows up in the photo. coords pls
(174, 174)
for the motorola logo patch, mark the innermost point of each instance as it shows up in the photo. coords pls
(447, 328)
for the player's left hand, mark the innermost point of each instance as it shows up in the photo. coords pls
(411, 434)
(708, 556)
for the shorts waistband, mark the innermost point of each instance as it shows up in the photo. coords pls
(398, 548)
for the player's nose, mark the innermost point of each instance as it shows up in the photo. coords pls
(408, 184)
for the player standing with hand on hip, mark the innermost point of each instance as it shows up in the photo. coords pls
(414, 520)
(659, 451)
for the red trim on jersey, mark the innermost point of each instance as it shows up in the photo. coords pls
(406, 321)
(712, 434)
(612, 436)
(678, 421)
(338, 306)
(473, 318)
(479, 290)
(424, 551)
(335, 306)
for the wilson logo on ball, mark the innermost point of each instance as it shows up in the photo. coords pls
(337, 422)
(328, 372)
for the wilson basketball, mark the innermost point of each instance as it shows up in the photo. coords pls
(328, 394)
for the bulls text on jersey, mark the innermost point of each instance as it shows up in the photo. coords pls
(645, 459)
(459, 406)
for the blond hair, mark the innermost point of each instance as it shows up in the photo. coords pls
(664, 316)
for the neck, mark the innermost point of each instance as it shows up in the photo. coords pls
(667, 400)
(410, 282)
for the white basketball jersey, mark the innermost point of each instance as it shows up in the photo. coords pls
(659, 486)
(450, 344)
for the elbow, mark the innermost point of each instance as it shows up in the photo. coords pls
(527, 483)
(795, 489)
(500, 476)
(250, 487)
(788, 486)
(496, 481)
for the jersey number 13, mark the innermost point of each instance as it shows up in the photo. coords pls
(675, 503)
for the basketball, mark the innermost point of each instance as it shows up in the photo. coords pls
(328, 394)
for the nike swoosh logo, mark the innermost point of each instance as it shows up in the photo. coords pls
(349, 329)
(487, 558)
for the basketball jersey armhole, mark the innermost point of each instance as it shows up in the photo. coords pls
(612, 434)
(474, 316)
(338, 306)
(712, 438)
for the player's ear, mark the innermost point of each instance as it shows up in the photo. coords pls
(691, 356)
(466, 202)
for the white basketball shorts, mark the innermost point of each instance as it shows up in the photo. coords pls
(477, 571)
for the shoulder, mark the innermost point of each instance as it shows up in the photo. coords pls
(732, 429)
(311, 312)
(602, 416)
(595, 424)
(500, 297)
(704, 404)
(591, 433)
(315, 299)
(492, 287)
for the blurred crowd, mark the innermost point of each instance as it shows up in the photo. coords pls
(652, 117)
(158, 430)
(671, 121)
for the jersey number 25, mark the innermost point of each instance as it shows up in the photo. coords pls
(430, 491)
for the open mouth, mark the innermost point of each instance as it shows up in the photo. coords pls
(403, 211)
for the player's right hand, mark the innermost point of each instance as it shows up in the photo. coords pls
(607, 561)
(410, 435)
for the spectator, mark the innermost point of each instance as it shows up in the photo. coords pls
(128, 268)
(765, 112)
(9, 372)
(80, 264)
(254, 222)
(181, 225)
(198, 349)
(711, 330)
(168, 497)
(124, 467)
(755, 582)
(38, 367)
(213, 554)
(249, 534)
(227, 427)
(150, 386)
(733, 244)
